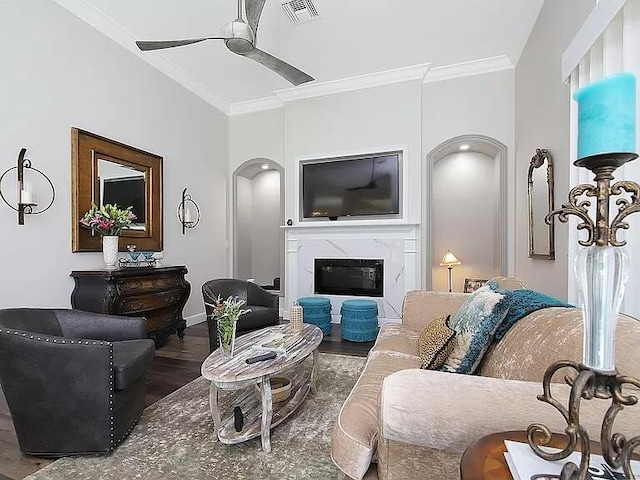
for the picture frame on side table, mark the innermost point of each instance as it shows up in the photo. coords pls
(472, 284)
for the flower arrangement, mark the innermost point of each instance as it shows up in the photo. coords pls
(107, 219)
(226, 313)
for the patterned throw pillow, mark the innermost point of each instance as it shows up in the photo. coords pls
(475, 324)
(436, 343)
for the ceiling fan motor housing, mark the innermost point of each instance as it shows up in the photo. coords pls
(240, 35)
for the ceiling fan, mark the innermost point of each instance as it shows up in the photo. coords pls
(240, 37)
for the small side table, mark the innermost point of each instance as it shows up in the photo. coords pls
(317, 311)
(359, 320)
(484, 459)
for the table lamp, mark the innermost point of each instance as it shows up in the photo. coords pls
(449, 260)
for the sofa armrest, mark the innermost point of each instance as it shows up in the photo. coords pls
(97, 326)
(420, 306)
(449, 411)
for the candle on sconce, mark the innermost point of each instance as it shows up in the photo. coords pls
(607, 115)
(26, 193)
(187, 215)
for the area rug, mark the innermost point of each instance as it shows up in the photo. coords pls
(174, 438)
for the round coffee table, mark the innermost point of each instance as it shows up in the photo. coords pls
(484, 459)
(235, 374)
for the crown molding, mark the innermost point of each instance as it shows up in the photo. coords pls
(257, 105)
(360, 82)
(467, 69)
(421, 72)
(116, 32)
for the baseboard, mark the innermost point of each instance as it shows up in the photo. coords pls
(196, 319)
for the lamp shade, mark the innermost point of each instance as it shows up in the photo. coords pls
(449, 259)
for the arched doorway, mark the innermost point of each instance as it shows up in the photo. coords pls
(466, 210)
(258, 207)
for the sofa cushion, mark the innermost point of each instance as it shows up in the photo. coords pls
(505, 283)
(397, 339)
(355, 434)
(130, 360)
(436, 343)
(549, 335)
(521, 303)
(475, 324)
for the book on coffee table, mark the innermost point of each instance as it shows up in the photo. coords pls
(526, 465)
(278, 342)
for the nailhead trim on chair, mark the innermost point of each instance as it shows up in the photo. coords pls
(126, 434)
(111, 426)
(79, 342)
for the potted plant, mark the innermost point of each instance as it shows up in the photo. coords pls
(108, 220)
(226, 314)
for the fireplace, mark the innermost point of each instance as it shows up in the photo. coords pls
(347, 276)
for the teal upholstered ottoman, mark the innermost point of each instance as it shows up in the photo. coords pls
(359, 320)
(317, 310)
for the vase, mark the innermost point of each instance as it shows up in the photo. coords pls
(601, 273)
(110, 251)
(226, 336)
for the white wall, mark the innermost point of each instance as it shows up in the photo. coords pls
(244, 217)
(464, 202)
(542, 121)
(371, 120)
(256, 135)
(408, 115)
(476, 105)
(375, 119)
(59, 72)
(266, 248)
(251, 136)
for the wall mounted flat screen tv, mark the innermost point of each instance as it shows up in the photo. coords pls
(126, 192)
(351, 187)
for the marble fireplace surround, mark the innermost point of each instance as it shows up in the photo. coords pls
(393, 241)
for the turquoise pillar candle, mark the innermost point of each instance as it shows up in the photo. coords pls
(607, 115)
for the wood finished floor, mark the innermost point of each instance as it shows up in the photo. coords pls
(174, 365)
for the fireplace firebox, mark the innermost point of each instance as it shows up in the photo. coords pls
(348, 276)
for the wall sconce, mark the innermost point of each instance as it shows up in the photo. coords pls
(25, 199)
(188, 212)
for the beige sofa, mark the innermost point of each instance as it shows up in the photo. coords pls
(400, 422)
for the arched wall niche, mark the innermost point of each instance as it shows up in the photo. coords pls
(249, 172)
(489, 147)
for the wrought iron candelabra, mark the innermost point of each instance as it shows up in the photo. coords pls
(185, 216)
(599, 267)
(25, 204)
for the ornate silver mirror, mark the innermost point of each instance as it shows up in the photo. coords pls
(540, 196)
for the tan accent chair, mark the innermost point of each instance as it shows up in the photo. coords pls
(400, 422)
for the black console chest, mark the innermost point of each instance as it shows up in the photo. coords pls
(158, 294)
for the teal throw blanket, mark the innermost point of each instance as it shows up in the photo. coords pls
(522, 303)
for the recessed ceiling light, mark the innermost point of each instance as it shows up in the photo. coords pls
(464, 147)
(265, 167)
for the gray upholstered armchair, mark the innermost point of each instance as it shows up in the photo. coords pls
(264, 306)
(74, 381)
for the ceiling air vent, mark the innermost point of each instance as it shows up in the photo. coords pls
(300, 11)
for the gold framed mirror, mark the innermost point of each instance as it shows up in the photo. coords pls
(105, 171)
(540, 199)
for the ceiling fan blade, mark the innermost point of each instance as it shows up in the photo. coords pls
(253, 10)
(286, 71)
(159, 45)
